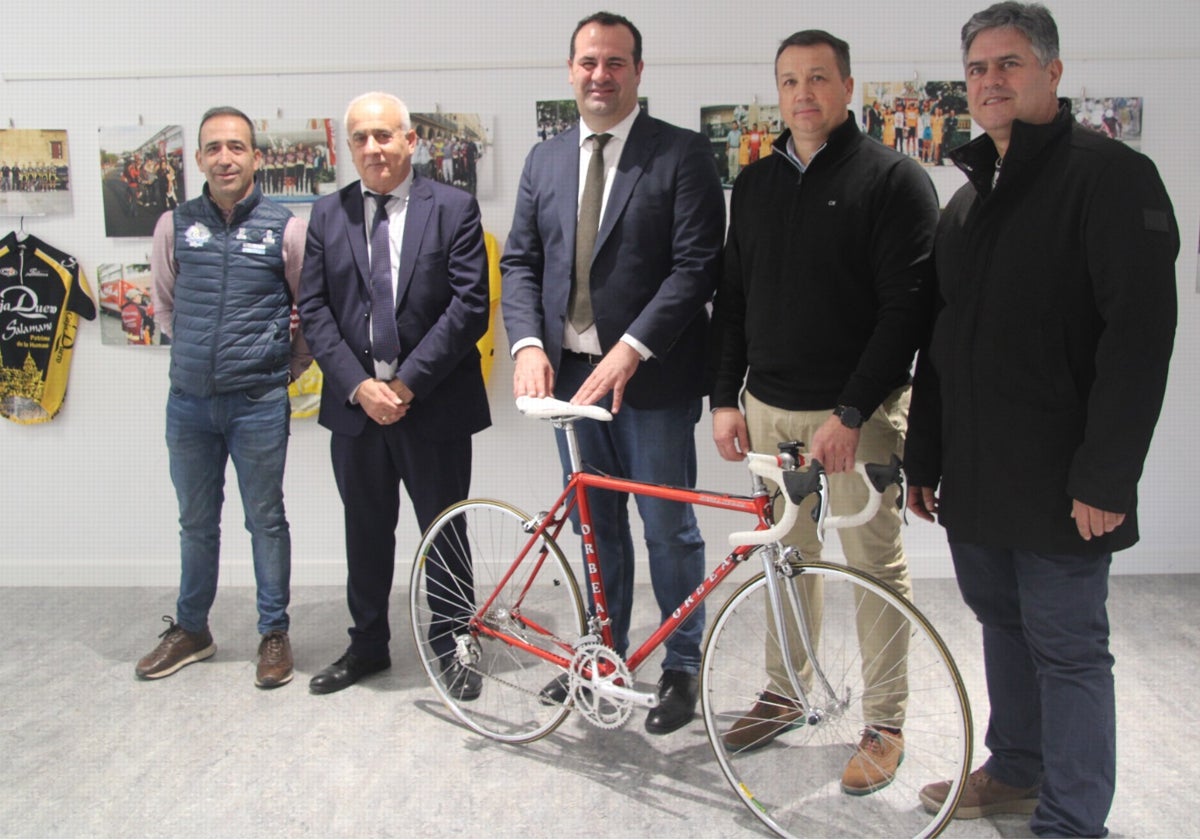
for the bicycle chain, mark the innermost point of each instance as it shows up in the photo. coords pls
(535, 693)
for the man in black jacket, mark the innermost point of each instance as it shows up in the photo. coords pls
(1034, 407)
(822, 305)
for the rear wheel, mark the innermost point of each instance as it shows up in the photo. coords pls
(468, 558)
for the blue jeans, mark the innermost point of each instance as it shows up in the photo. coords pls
(1049, 678)
(202, 434)
(656, 445)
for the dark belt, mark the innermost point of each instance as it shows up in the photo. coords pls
(592, 359)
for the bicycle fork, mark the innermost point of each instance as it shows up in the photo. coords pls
(781, 576)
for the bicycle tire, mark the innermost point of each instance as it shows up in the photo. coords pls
(540, 603)
(792, 779)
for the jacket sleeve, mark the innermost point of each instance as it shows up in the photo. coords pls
(727, 359)
(318, 317)
(1131, 240)
(523, 264)
(923, 440)
(901, 260)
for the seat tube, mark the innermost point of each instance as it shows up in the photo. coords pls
(602, 622)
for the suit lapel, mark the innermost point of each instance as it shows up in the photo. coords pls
(638, 150)
(420, 209)
(566, 151)
(356, 230)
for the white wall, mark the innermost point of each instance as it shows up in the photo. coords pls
(87, 499)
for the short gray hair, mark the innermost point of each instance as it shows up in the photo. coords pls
(1033, 20)
(405, 117)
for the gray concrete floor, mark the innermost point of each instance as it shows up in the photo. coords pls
(87, 750)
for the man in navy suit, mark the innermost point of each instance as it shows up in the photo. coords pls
(403, 389)
(622, 323)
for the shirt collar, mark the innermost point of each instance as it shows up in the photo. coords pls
(401, 192)
(620, 131)
(791, 152)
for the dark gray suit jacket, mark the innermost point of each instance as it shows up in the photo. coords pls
(441, 309)
(656, 261)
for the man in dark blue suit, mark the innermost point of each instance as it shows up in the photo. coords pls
(615, 315)
(393, 297)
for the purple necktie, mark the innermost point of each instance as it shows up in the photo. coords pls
(385, 340)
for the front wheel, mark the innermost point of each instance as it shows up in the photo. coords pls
(468, 560)
(787, 766)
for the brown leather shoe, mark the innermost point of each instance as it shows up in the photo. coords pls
(178, 647)
(274, 660)
(771, 716)
(873, 765)
(982, 796)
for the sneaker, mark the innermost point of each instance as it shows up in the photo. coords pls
(874, 763)
(982, 796)
(178, 647)
(771, 716)
(274, 660)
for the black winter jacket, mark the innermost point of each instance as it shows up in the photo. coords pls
(1046, 369)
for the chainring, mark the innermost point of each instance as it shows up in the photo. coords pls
(598, 665)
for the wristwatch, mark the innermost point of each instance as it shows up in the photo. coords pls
(850, 416)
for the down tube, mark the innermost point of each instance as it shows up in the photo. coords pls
(746, 504)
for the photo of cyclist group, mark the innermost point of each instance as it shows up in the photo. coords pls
(298, 159)
(34, 172)
(141, 171)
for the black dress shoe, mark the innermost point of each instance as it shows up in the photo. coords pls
(677, 692)
(462, 683)
(346, 672)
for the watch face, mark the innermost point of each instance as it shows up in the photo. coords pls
(851, 417)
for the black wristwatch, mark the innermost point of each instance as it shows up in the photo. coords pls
(850, 416)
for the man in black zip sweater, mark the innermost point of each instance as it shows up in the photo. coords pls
(822, 306)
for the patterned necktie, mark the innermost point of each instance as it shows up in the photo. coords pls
(385, 340)
(579, 307)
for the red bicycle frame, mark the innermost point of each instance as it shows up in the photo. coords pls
(551, 524)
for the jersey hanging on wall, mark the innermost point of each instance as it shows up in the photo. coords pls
(43, 293)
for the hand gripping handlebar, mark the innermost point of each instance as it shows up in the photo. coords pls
(798, 484)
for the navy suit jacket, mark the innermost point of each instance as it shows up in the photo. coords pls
(656, 261)
(441, 309)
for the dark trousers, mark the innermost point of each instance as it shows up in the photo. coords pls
(647, 444)
(369, 470)
(1049, 678)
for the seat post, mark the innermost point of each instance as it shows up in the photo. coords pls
(568, 427)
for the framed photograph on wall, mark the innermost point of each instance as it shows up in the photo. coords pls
(35, 172)
(456, 149)
(141, 176)
(1118, 117)
(126, 310)
(740, 134)
(554, 116)
(299, 159)
(923, 120)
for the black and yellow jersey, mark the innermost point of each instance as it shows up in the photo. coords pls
(43, 293)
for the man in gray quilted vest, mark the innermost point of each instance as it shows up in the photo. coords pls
(226, 267)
